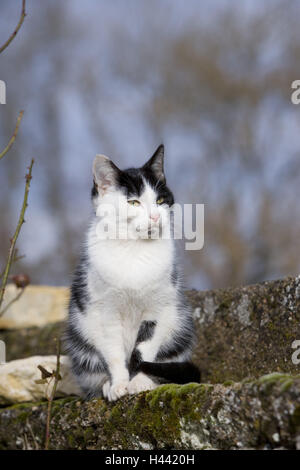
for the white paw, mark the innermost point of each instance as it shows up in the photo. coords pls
(140, 383)
(113, 392)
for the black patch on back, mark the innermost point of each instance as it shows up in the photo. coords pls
(79, 293)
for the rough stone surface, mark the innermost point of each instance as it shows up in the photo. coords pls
(38, 306)
(27, 342)
(242, 332)
(247, 331)
(264, 413)
(18, 379)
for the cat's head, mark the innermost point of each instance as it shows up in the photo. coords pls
(136, 200)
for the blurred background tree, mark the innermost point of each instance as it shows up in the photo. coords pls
(210, 79)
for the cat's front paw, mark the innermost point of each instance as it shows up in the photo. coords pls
(116, 391)
(140, 383)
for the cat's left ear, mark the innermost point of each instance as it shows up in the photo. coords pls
(156, 163)
(105, 173)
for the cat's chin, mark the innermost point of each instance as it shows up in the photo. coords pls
(150, 233)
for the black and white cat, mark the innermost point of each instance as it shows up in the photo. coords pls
(129, 327)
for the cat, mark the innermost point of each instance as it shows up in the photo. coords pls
(129, 327)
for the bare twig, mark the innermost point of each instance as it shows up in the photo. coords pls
(57, 378)
(13, 35)
(13, 138)
(16, 234)
(14, 260)
(19, 294)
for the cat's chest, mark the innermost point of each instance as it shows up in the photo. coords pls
(134, 266)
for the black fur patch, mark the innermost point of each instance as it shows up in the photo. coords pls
(174, 372)
(94, 191)
(146, 331)
(134, 363)
(180, 342)
(79, 295)
(131, 182)
(80, 350)
(160, 187)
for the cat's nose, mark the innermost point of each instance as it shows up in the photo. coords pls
(155, 217)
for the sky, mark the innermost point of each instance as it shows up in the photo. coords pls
(58, 60)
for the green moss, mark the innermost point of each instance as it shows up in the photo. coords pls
(274, 378)
(227, 383)
(169, 417)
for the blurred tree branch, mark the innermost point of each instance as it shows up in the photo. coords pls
(12, 254)
(13, 35)
(16, 234)
(14, 260)
(13, 138)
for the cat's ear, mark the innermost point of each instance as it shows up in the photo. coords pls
(156, 163)
(105, 173)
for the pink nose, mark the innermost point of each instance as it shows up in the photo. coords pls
(154, 217)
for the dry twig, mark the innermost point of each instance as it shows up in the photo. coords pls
(16, 234)
(13, 35)
(57, 378)
(13, 138)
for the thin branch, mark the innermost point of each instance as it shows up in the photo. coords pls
(14, 260)
(13, 35)
(19, 294)
(16, 234)
(13, 138)
(57, 378)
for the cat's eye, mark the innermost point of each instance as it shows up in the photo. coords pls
(134, 202)
(160, 200)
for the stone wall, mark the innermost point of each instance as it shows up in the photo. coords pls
(242, 332)
(250, 397)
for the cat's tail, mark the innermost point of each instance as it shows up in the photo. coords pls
(174, 372)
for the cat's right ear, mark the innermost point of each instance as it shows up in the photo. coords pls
(105, 173)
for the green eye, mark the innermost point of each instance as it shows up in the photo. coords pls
(160, 200)
(134, 202)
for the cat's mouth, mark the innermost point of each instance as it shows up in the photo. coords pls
(150, 232)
